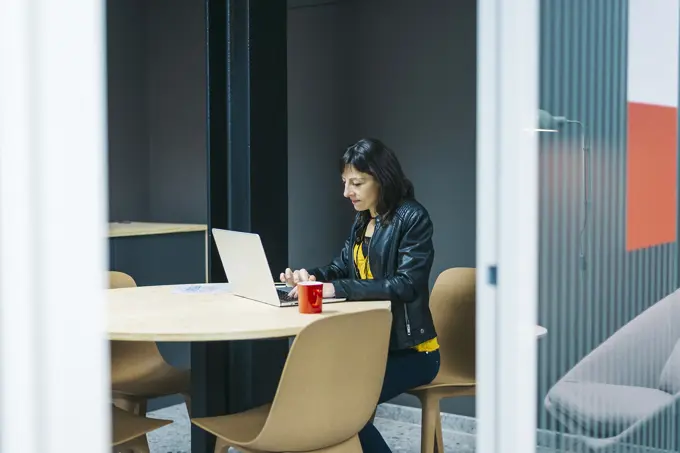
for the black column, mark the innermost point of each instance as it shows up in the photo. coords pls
(247, 188)
(210, 361)
(257, 168)
(258, 128)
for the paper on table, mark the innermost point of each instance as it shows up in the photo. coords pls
(204, 288)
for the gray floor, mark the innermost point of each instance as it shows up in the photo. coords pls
(402, 437)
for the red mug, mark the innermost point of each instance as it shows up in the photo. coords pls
(310, 297)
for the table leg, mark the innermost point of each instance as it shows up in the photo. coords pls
(209, 384)
(232, 377)
(207, 251)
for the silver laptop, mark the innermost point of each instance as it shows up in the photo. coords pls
(247, 269)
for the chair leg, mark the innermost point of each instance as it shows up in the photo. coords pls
(187, 401)
(439, 437)
(431, 423)
(126, 404)
(130, 404)
(141, 407)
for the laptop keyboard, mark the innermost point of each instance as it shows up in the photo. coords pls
(283, 295)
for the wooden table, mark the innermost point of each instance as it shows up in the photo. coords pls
(221, 379)
(170, 313)
(149, 250)
(127, 229)
(164, 313)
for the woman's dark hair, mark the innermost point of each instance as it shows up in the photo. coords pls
(372, 156)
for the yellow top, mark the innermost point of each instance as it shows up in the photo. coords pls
(363, 265)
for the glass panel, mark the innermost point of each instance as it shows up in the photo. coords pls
(54, 396)
(507, 225)
(609, 368)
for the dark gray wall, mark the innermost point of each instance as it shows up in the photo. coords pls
(583, 68)
(176, 110)
(157, 110)
(414, 87)
(397, 70)
(319, 128)
(128, 151)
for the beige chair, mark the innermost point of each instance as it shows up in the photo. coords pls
(452, 303)
(328, 389)
(138, 370)
(129, 431)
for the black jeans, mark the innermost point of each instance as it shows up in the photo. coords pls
(405, 370)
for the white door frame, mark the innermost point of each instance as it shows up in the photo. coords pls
(507, 225)
(54, 391)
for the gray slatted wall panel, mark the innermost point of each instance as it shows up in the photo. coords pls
(583, 76)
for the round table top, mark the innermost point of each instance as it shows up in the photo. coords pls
(166, 313)
(171, 313)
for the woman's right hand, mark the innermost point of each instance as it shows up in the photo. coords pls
(292, 278)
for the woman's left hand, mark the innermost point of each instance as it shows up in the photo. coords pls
(328, 291)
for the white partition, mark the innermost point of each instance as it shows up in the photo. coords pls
(507, 225)
(53, 359)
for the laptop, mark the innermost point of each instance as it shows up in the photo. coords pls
(247, 269)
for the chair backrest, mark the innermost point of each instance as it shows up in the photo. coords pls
(128, 426)
(131, 359)
(636, 353)
(453, 307)
(120, 280)
(330, 384)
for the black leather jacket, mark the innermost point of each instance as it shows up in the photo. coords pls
(401, 255)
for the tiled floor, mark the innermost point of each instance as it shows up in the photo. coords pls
(173, 438)
(402, 437)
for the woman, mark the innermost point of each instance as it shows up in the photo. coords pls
(388, 256)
